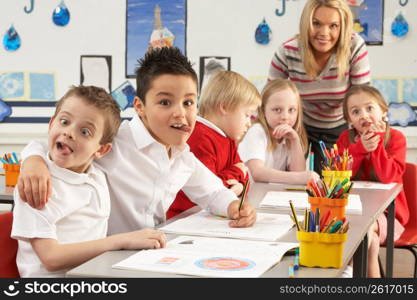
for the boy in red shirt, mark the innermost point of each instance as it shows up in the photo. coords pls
(225, 109)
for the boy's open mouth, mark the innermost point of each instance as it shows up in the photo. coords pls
(181, 127)
(64, 148)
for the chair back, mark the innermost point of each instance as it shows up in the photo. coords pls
(410, 190)
(8, 267)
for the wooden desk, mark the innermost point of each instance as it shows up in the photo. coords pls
(374, 202)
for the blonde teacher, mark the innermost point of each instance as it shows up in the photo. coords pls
(324, 60)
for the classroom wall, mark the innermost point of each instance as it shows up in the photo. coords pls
(214, 28)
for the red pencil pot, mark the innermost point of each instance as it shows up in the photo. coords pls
(11, 174)
(337, 207)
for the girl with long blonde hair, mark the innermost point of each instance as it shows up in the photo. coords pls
(274, 147)
(324, 60)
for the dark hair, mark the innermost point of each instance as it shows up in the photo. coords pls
(100, 99)
(160, 61)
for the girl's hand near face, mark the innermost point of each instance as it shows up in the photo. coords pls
(379, 126)
(284, 131)
(370, 141)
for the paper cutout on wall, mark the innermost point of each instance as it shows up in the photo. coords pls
(401, 114)
(399, 26)
(96, 70)
(12, 85)
(27, 86)
(5, 110)
(11, 39)
(124, 95)
(61, 15)
(388, 88)
(263, 33)
(209, 65)
(42, 86)
(401, 94)
(410, 91)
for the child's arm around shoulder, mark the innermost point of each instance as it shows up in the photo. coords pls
(34, 183)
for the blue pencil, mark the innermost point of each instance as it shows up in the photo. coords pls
(291, 271)
(296, 259)
(15, 157)
(311, 161)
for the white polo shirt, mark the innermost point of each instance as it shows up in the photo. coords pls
(78, 211)
(254, 145)
(143, 181)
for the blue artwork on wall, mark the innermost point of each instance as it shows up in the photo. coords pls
(42, 86)
(388, 88)
(410, 90)
(401, 114)
(5, 110)
(12, 85)
(147, 19)
(124, 95)
(368, 18)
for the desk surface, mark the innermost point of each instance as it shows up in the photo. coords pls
(6, 192)
(374, 202)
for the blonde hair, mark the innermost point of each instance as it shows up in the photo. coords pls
(372, 93)
(271, 88)
(342, 47)
(229, 89)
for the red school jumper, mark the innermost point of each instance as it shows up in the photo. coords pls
(218, 153)
(384, 164)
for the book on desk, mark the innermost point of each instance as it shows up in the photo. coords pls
(268, 227)
(279, 200)
(209, 247)
(209, 257)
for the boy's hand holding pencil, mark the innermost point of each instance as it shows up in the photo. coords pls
(241, 212)
(245, 217)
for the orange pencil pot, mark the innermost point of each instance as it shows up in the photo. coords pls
(323, 250)
(12, 172)
(336, 175)
(337, 207)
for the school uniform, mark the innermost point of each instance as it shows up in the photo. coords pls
(217, 152)
(78, 211)
(385, 164)
(254, 145)
(143, 181)
(322, 96)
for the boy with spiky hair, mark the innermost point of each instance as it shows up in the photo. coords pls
(150, 160)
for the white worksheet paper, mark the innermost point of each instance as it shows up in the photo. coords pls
(209, 257)
(373, 185)
(268, 227)
(280, 201)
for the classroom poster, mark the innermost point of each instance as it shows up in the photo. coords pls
(153, 22)
(400, 93)
(368, 18)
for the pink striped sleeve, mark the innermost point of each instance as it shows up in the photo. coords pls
(360, 72)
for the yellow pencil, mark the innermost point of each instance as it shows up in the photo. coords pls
(295, 216)
(330, 225)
